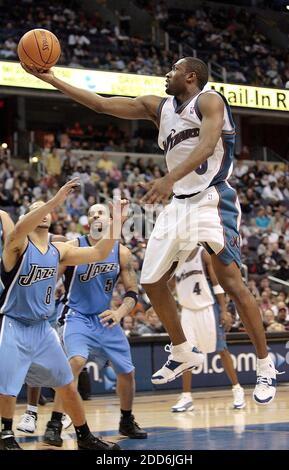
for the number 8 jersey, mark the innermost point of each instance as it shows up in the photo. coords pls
(193, 285)
(89, 287)
(179, 131)
(29, 288)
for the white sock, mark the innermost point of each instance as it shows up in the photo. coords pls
(264, 362)
(234, 387)
(187, 395)
(32, 408)
(181, 348)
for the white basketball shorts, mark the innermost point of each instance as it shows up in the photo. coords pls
(211, 218)
(203, 329)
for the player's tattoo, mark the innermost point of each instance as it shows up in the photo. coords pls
(129, 280)
(129, 276)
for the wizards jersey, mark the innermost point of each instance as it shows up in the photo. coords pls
(192, 284)
(179, 134)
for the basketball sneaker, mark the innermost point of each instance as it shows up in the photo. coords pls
(239, 397)
(129, 427)
(184, 403)
(27, 422)
(177, 364)
(52, 435)
(8, 441)
(94, 443)
(265, 389)
(66, 421)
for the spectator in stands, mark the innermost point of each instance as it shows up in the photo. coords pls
(127, 324)
(153, 324)
(76, 130)
(104, 163)
(53, 163)
(73, 231)
(265, 303)
(262, 220)
(275, 327)
(5, 196)
(272, 192)
(76, 204)
(282, 315)
(283, 271)
(268, 317)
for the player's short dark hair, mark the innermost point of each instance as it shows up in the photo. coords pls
(200, 69)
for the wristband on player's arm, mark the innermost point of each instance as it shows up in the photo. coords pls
(132, 294)
(218, 289)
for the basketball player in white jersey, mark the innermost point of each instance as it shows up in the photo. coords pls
(203, 318)
(197, 133)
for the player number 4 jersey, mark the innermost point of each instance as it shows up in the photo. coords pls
(193, 288)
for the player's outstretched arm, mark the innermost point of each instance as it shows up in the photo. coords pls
(143, 107)
(71, 255)
(30, 221)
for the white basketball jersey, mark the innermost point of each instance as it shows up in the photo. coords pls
(178, 135)
(193, 289)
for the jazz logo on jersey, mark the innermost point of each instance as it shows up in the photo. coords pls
(94, 270)
(36, 274)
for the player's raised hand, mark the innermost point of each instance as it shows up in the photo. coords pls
(119, 210)
(159, 190)
(45, 75)
(65, 190)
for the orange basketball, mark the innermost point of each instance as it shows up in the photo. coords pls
(40, 48)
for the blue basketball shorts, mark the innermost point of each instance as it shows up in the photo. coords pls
(84, 334)
(31, 353)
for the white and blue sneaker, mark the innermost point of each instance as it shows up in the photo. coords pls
(265, 389)
(239, 397)
(184, 403)
(27, 422)
(177, 364)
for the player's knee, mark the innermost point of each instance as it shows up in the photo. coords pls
(69, 391)
(77, 363)
(235, 288)
(131, 376)
(128, 377)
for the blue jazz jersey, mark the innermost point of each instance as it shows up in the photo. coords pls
(1, 238)
(29, 288)
(89, 287)
(1, 251)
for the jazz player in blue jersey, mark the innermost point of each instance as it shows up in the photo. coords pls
(197, 134)
(90, 325)
(29, 347)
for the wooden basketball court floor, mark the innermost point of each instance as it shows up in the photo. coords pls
(212, 425)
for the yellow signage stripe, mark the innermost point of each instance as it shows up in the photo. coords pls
(111, 83)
